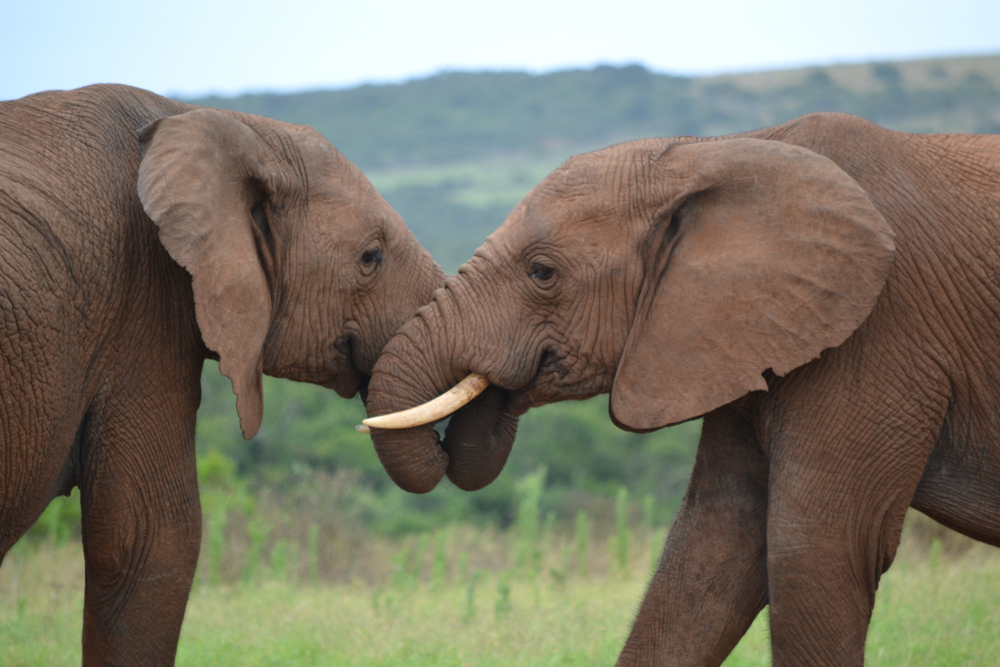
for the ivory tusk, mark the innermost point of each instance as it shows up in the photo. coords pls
(361, 428)
(436, 409)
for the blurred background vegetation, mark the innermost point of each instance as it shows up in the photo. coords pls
(453, 153)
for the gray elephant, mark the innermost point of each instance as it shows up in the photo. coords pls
(141, 236)
(826, 293)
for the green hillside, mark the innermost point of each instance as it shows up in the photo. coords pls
(453, 153)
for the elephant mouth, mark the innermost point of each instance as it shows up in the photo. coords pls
(343, 375)
(536, 389)
(518, 402)
(346, 386)
(556, 380)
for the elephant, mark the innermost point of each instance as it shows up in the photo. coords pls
(142, 236)
(823, 293)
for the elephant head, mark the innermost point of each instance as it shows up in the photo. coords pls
(299, 268)
(671, 273)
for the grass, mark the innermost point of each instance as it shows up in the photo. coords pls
(943, 615)
(937, 606)
(275, 624)
(353, 625)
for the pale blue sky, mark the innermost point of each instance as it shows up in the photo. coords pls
(198, 46)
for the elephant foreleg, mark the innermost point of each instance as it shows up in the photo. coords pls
(712, 579)
(841, 480)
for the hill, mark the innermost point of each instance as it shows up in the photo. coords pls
(462, 116)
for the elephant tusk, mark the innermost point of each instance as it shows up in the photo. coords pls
(433, 410)
(361, 428)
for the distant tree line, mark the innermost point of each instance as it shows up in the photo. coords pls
(457, 116)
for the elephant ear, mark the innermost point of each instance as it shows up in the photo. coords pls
(765, 255)
(199, 181)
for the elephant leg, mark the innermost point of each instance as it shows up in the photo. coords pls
(838, 494)
(824, 570)
(141, 529)
(712, 579)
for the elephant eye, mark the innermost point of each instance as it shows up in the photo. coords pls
(370, 259)
(541, 273)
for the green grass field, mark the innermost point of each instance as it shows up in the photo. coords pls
(936, 606)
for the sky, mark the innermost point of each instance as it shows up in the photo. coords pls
(194, 47)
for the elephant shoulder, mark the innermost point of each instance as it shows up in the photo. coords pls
(828, 133)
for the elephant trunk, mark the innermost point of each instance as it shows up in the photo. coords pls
(478, 438)
(413, 457)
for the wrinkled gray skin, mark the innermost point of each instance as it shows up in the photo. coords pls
(138, 237)
(824, 292)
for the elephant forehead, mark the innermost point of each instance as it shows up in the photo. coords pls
(549, 218)
(579, 208)
(327, 171)
(338, 188)
(522, 229)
